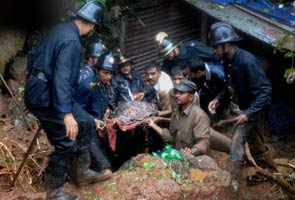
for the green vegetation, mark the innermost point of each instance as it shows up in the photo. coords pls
(90, 194)
(289, 54)
(148, 166)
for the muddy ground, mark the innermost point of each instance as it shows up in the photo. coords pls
(15, 138)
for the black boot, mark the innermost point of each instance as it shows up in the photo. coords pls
(53, 187)
(84, 174)
(99, 161)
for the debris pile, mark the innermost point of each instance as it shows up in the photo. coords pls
(148, 177)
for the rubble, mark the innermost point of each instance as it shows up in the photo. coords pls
(147, 177)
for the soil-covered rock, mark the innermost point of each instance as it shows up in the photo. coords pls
(143, 177)
(147, 177)
(11, 41)
(17, 70)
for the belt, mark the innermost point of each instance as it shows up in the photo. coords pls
(40, 75)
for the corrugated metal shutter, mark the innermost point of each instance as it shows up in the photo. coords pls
(173, 17)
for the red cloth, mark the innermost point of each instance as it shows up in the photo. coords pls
(111, 130)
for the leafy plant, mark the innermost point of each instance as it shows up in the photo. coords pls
(97, 198)
(148, 166)
(287, 53)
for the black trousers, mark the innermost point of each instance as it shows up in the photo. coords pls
(247, 132)
(64, 148)
(99, 161)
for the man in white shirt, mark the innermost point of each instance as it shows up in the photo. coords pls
(161, 82)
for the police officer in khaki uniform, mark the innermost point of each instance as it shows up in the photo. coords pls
(190, 126)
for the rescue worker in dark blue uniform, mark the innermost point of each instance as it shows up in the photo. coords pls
(94, 49)
(99, 106)
(211, 81)
(250, 89)
(102, 100)
(128, 85)
(180, 54)
(92, 101)
(53, 67)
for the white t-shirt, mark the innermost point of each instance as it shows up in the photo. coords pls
(164, 83)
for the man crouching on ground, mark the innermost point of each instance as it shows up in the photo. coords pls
(190, 126)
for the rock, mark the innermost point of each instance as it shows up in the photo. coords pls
(19, 194)
(147, 177)
(13, 85)
(11, 41)
(17, 70)
(202, 162)
(4, 110)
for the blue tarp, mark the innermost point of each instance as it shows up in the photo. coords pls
(284, 14)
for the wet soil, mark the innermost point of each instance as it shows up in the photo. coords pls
(14, 141)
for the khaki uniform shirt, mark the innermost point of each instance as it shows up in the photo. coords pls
(190, 128)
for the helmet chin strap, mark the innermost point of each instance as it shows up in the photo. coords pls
(174, 55)
(224, 55)
(228, 54)
(90, 33)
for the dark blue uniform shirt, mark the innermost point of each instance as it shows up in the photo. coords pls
(86, 79)
(213, 86)
(102, 97)
(58, 58)
(216, 80)
(252, 89)
(189, 50)
(125, 87)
